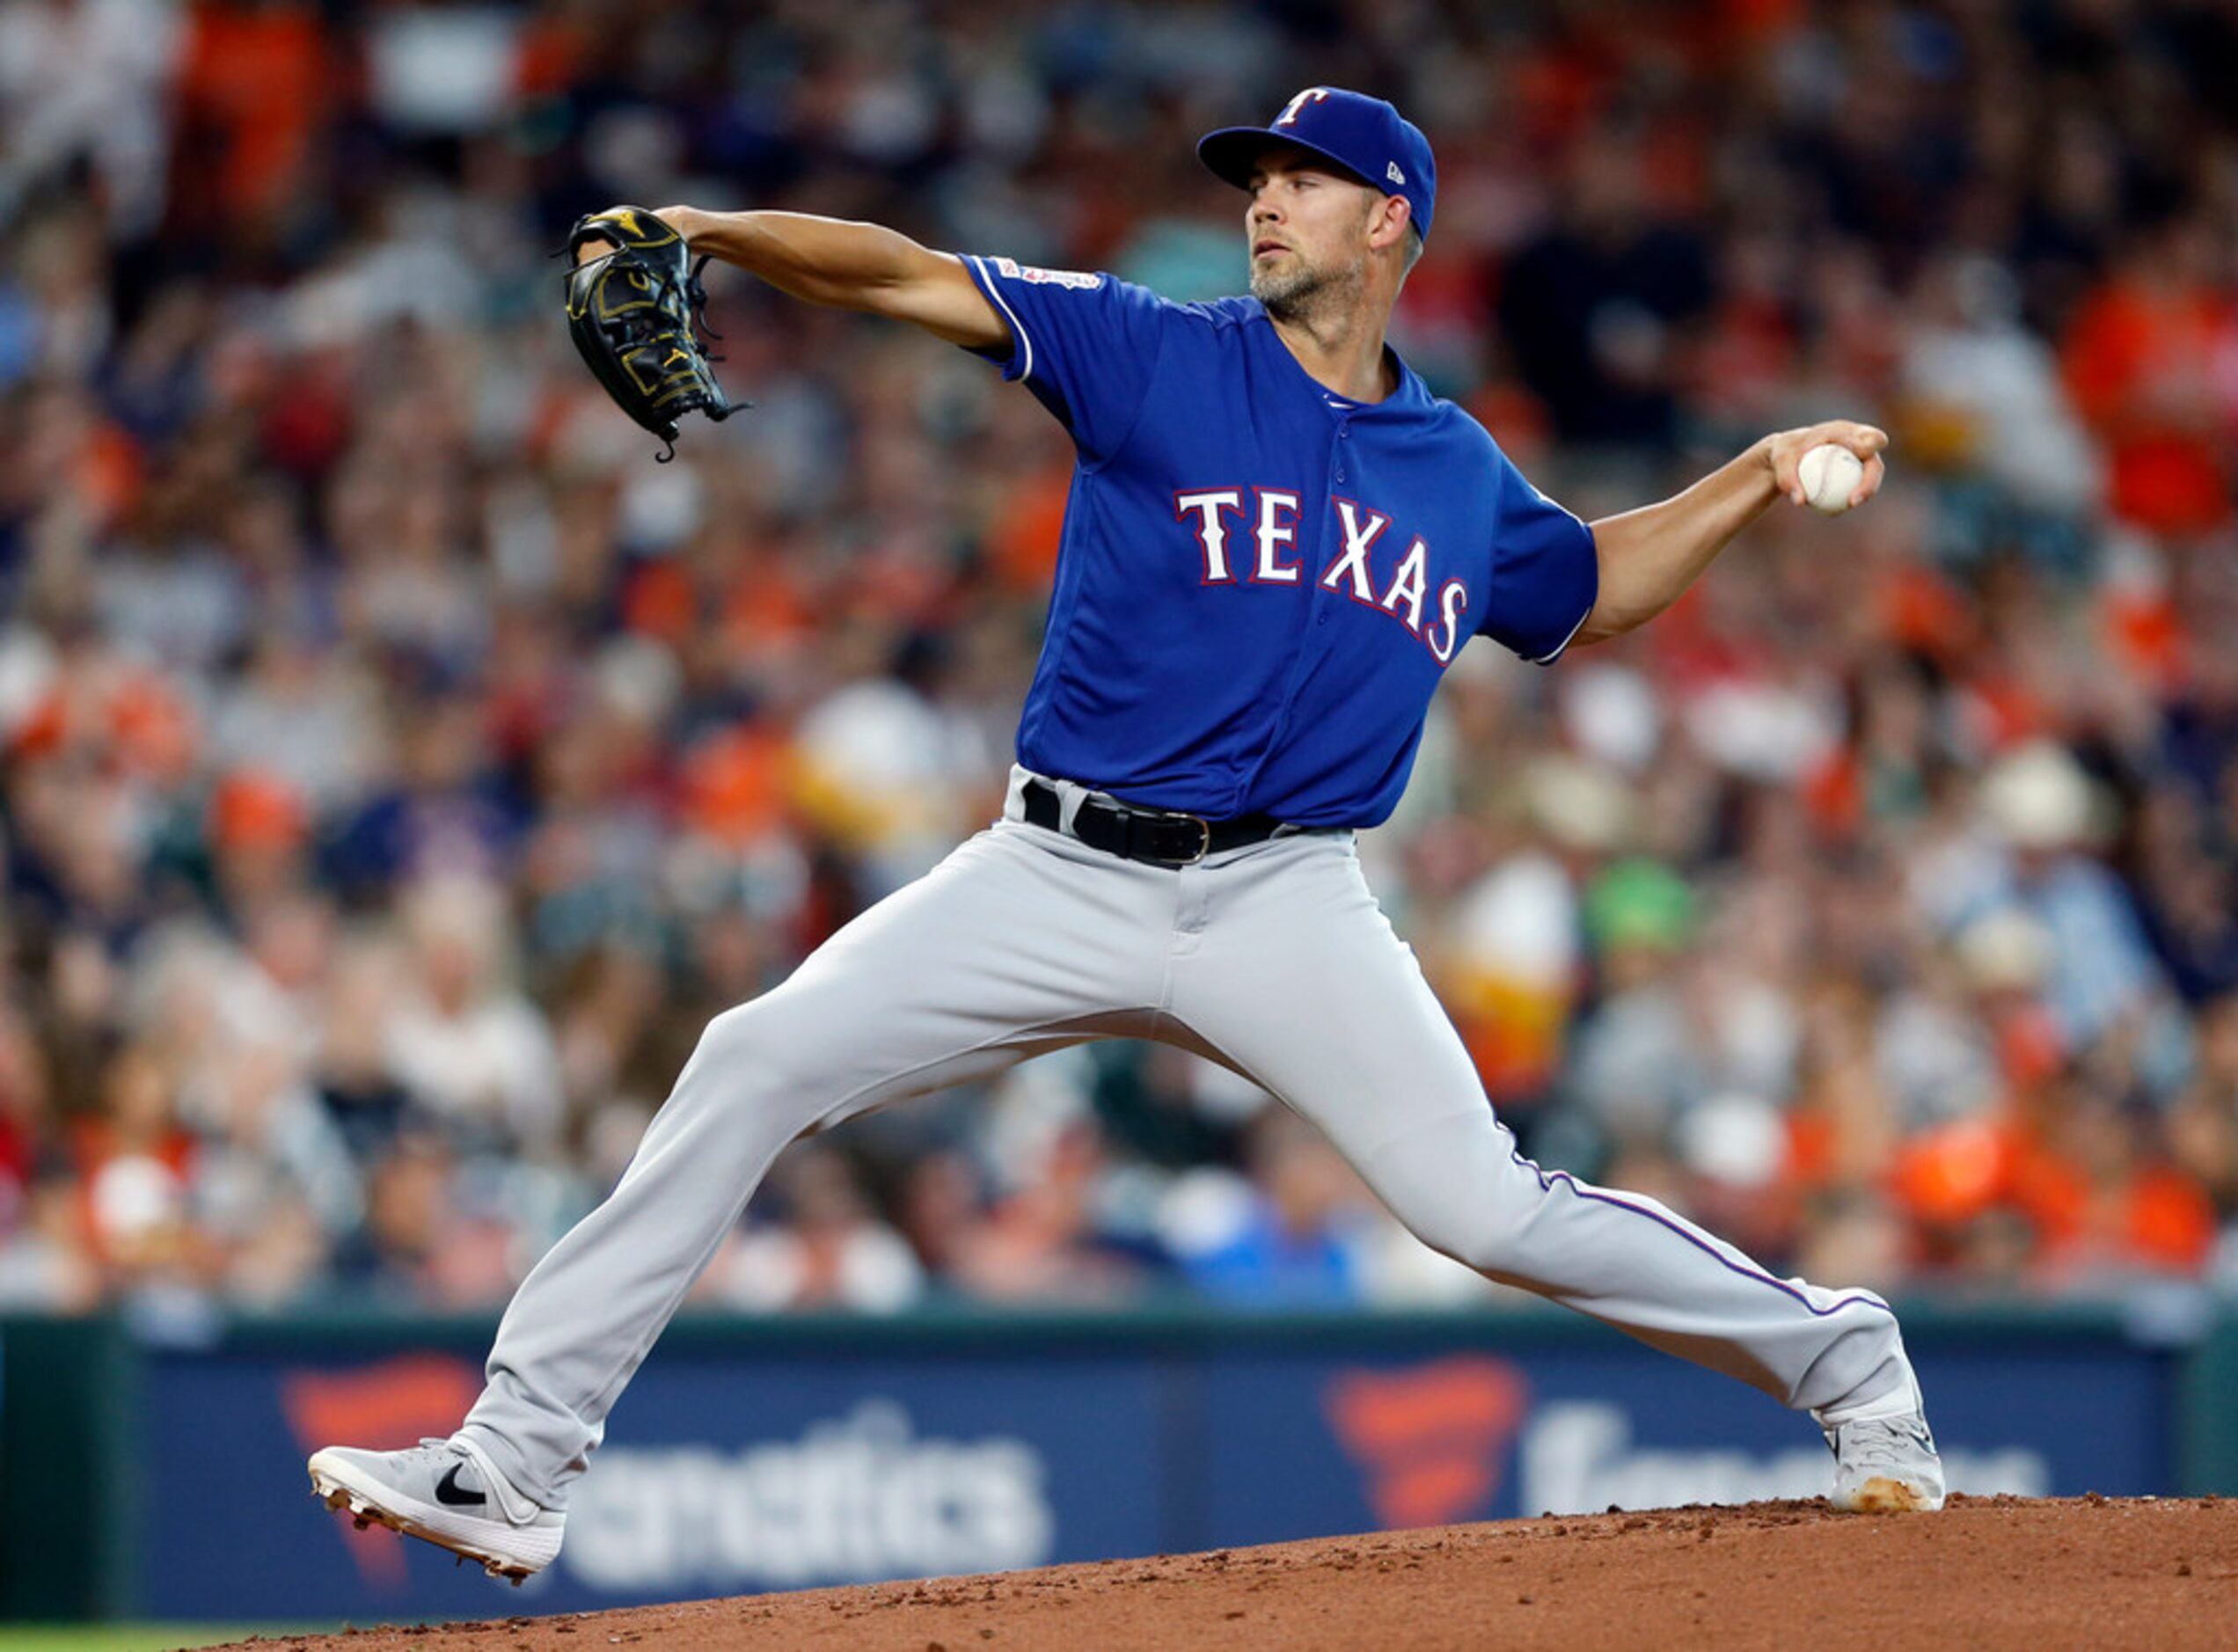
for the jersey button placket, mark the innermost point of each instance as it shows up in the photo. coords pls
(1311, 617)
(1339, 475)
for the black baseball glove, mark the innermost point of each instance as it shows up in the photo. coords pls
(633, 313)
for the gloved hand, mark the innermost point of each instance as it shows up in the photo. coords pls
(633, 313)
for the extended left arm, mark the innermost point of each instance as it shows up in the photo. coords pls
(1648, 557)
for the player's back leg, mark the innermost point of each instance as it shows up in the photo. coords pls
(1298, 982)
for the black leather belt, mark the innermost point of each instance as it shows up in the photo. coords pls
(1157, 835)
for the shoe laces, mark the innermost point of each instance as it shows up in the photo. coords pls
(1896, 1440)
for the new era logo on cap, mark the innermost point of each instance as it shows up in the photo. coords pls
(1362, 135)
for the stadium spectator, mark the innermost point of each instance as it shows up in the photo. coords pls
(397, 769)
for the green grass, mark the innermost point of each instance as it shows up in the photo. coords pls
(141, 1637)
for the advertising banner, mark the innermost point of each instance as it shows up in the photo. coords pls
(736, 1467)
(720, 1475)
(1298, 1448)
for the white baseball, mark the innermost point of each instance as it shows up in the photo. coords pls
(1830, 474)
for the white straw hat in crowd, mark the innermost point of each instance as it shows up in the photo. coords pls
(2039, 798)
(1579, 804)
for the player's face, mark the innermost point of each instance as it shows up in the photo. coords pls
(1306, 230)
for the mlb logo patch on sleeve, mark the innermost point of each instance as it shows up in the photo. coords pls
(1081, 278)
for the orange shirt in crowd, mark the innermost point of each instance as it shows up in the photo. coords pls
(255, 81)
(2142, 363)
(2152, 1216)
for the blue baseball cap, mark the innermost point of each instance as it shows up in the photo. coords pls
(1359, 135)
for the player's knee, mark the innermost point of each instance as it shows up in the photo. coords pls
(741, 1048)
(1466, 1196)
(729, 1033)
(1478, 1240)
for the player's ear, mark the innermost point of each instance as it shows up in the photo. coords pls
(1388, 221)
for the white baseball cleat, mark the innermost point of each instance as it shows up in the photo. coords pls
(447, 1492)
(1886, 1466)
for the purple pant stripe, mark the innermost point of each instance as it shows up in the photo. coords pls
(1546, 1180)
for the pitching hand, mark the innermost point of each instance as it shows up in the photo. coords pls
(1784, 450)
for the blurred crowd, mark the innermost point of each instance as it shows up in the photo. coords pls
(398, 767)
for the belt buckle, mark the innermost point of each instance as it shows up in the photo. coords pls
(1204, 838)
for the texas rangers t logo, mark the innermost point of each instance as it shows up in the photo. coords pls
(1312, 94)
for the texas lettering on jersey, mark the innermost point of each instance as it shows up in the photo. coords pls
(1258, 585)
(1401, 593)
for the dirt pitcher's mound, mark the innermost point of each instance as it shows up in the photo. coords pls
(2000, 1572)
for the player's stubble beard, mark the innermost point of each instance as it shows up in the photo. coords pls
(1303, 292)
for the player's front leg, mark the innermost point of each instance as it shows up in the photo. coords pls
(1006, 949)
(1300, 982)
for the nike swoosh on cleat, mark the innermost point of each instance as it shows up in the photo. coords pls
(447, 1491)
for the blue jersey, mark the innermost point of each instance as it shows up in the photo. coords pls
(1261, 583)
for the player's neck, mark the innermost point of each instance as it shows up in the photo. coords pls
(1339, 343)
(1342, 352)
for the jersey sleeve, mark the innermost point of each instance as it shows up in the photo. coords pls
(1546, 572)
(1085, 344)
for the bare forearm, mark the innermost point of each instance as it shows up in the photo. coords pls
(1650, 557)
(824, 261)
(849, 265)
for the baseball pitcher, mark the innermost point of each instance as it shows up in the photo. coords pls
(1277, 542)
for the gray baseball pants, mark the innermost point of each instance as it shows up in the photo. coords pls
(1273, 959)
